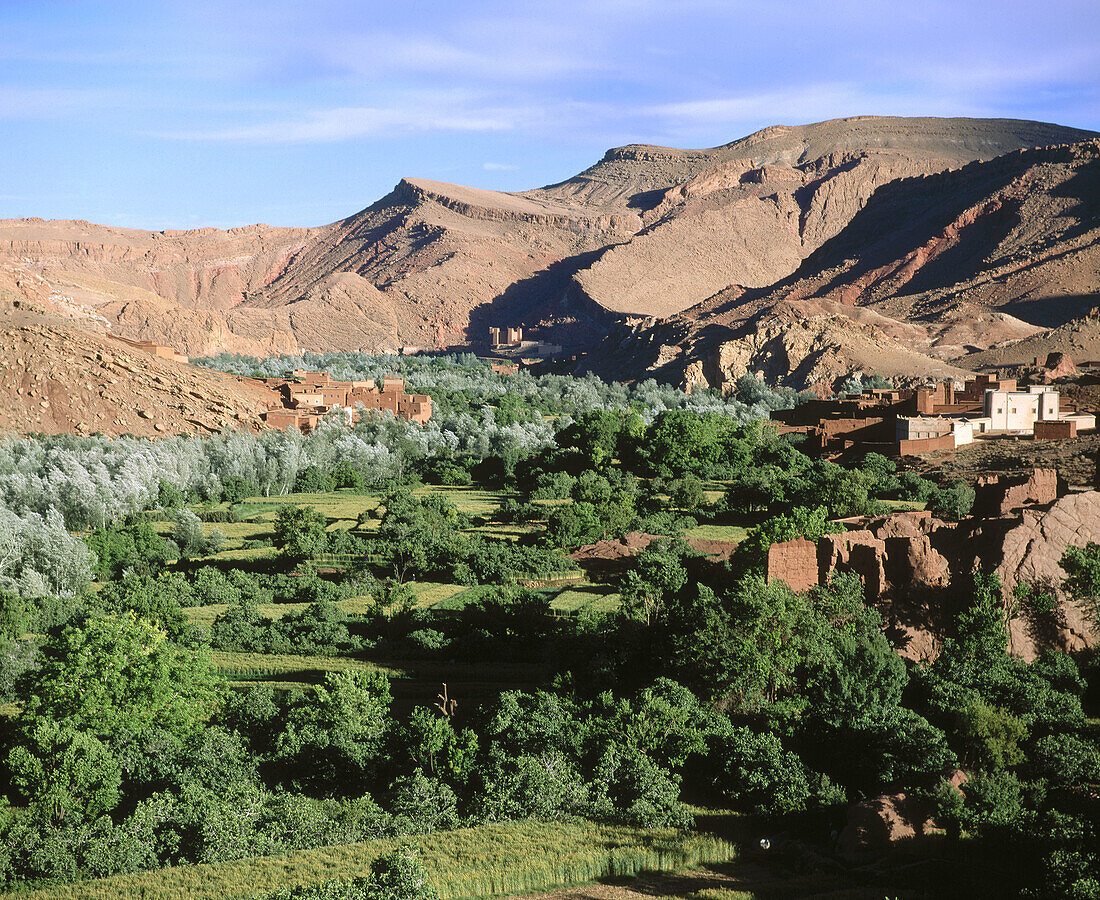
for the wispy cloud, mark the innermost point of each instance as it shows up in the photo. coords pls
(733, 115)
(794, 103)
(998, 74)
(510, 58)
(346, 123)
(499, 167)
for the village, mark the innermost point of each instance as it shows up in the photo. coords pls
(307, 397)
(941, 416)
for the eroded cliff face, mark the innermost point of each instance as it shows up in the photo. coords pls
(908, 562)
(940, 266)
(1028, 550)
(647, 231)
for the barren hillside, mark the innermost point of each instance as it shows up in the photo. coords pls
(59, 377)
(647, 231)
(945, 266)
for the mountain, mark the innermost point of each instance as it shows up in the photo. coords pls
(971, 266)
(705, 239)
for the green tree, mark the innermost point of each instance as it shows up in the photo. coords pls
(681, 442)
(952, 501)
(120, 674)
(594, 435)
(188, 534)
(687, 493)
(424, 804)
(398, 875)
(756, 773)
(435, 746)
(657, 575)
(314, 480)
(66, 771)
(300, 532)
(98, 685)
(332, 741)
(1082, 583)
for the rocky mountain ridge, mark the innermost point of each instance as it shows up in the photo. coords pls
(696, 243)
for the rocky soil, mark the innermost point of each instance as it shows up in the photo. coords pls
(1075, 460)
(58, 378)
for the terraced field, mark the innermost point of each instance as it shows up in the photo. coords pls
(486, 861)
(263, 666)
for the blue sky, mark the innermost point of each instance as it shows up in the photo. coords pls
(300, 112)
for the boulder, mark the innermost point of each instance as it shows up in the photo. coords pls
(926, 567)
(1058, 365)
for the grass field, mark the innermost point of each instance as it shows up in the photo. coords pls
(486, 861)
(597, 597)
(260, 666)
(205, 615)
(342, 510)
(429, 593)
(733, 533)
(460, 599)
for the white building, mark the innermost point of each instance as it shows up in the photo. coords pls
(1018, 411)
(917, 428)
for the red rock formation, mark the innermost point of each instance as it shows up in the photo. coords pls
(855, 551)
(875, 824)
(1031, 553)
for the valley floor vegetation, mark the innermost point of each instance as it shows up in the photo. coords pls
(363, 662)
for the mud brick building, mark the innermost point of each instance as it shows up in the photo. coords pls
(161, 350)
(309, 396)
(933, 417)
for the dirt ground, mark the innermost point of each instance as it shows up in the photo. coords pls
(1075, 459)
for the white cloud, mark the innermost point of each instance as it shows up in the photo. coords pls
(345, 123)
(499, 167)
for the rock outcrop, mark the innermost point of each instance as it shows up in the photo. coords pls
(905, 560)
(876, 824)
(1028, 550)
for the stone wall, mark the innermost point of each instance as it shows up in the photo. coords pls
(1056, 430)
(926, 445)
